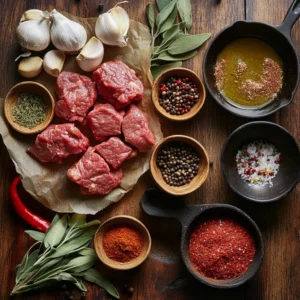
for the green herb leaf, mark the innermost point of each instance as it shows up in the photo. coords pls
(56, 231)
(185, 12)
(168, 57)
(36, 235)
(157, 70)
(169, 21)
(94, 276)
(26, 264)
(80, 264)
(161, 4)
(150, 16)
(77, 220)
(88, 252)
(89, 224)
(164, 14)
(80, 285)
(186, 43)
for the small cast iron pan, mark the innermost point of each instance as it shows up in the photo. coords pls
(289, 170)
(189, 217)
(279, 37)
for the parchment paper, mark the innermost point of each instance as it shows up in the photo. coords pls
(47, 182)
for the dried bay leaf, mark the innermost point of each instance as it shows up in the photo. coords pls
(185, 11)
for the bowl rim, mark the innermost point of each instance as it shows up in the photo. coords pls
(192, 113)
(119, 265)
(236, 113)
(169, 139)
(224, 170)
(33, 130)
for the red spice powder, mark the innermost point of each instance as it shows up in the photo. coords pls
(221, 248)
(122, 243)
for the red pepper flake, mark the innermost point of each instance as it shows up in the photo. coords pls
(221, 248)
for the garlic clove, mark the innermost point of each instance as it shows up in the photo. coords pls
(112, 27)
(30, 67)
(66, 35)
(53, 62)
(91, 55)
(34, 34)
(32, 14)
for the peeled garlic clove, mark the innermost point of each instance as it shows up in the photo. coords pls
(112, 27)
(53, 62)
(30, 67)
(91, 55)
(34, 34)
(66, 35)
(32, 14)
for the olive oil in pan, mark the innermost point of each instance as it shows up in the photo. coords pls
(248, 72)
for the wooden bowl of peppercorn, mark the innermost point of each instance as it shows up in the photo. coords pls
(178, 94)
(13, 109)
(179, 165)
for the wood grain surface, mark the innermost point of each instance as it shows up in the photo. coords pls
(163, 275)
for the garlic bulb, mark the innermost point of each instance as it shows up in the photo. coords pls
(91, 55)
(34, 34)
(54, 62)
(32, 14)
(30, 67)
(112, 27)
(66, 35)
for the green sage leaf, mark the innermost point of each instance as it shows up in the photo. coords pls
(27, 264)
(150, 16)
(94, 276)
(77, 220)
(50, 265)
(80, 264)
(168, 57)
(56, 231)
(164, 14)
(187, 42)
(36, 235)
(161, 4)
(80, 285)
(185, 11)
(157, 70)
(169, 21)
(89, 224)
(88, 252)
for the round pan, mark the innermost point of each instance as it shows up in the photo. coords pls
(189, 216)
(279, 37)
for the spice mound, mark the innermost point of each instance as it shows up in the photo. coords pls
(178, 95)
(221, 248)
(178, 163)
(122, 243)
(29, 110)
(258, 163)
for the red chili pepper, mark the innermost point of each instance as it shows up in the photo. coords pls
(32, 219)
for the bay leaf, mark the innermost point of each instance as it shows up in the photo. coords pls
(187, 42)
(185, 12)
(92, 275)
(169, 21)
(150, 16)
(157, 70)
(168, 57)
(36, 235)
(164, 14)
(161, 4)
(56, 231)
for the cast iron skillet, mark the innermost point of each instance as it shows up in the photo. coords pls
(189, 216)
(279, 37)
(289, 170)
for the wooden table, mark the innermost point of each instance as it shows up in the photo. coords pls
(163, 275)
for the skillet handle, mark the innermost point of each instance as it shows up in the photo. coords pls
(169, 206)
(290, 18)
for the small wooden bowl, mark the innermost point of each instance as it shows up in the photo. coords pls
(196, 182)
(182, 72)
(122, 220)
(33, 88)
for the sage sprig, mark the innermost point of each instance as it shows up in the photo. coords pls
(61, 254)
(171, 42)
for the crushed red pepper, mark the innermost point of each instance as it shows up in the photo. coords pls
(221, 248)
(122, 243)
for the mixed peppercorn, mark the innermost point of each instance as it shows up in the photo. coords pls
(178, 163)
(178, 95)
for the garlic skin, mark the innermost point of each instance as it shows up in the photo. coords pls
(91, 55)
(66, 35)
(30, 67)
(53, 62)
(34, 34)
(112, 27)
(32, 14)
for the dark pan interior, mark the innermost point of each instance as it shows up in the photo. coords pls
(278, 41)
(222, 210)
(289, 169)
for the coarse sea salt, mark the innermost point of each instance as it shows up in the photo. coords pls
(258, 163)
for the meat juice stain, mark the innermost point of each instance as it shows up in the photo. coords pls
(252, 53)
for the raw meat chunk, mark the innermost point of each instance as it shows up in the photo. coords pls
(114, 151)
(76, 94)
(57, 142)
(118, 84)
(136, 130)
(105, 121)
(93, 175)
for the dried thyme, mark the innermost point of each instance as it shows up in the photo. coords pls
(29, 110)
